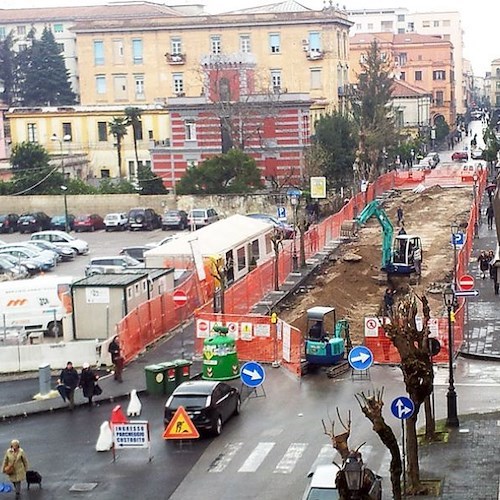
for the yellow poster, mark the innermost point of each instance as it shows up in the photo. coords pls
(318, 187)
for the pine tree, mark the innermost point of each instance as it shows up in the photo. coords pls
(46, 77)
(7, 68)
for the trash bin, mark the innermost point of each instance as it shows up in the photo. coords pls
(220, 359)
(169, 377)
(155, 375)
(182, 370)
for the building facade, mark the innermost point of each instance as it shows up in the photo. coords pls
(494, 92)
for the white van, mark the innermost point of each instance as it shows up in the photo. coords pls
(37, 304)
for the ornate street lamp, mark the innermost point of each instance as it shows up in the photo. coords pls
(66, 222)
(475, 178)
(354, 472)
(66, 138)
(454, 232)
(452, 418)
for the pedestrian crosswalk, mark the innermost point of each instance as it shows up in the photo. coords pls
(284, 459)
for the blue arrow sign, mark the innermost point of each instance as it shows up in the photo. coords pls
(402, 408)
(360, 358)
(252, 374)
(467, 293)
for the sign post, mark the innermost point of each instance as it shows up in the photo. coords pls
(252, 375)
(180, 300)
(129, 435)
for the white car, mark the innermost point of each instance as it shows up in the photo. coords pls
(62, 239)
(116, 222)
(322, 485)
(112, 265)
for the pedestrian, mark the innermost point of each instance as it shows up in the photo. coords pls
(490, 215)
(417, 261)
(69, 379)
(400, 216)
(483, 263)
(494, 277)
(389, 301)
(88, 381)
(402, 231)
(116, 357)
(15, 465)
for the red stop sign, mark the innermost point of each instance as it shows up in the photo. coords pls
(180, 298)
(466, 282)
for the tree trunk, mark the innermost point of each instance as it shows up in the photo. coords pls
(119, 153)
(413, 472)
(276, 271)
(430, 424)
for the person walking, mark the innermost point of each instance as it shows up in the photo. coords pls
(417, 261)
(15, 465)
(116, 357)
(388, 301)
(69, 379)
(483, 263)
(400, 216)
(88, 381)
(490, 214)
(494, 277)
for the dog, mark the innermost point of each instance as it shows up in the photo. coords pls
(33, 477)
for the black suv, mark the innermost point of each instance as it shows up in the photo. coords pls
(8, 223)
(33, 222)
(143, 218)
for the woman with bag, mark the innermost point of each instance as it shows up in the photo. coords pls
(88, 383)
(15, 465)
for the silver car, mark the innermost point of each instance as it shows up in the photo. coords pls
(112, 265)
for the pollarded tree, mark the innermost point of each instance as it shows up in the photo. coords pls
(133, 118)
(46, 76)
(118, 129)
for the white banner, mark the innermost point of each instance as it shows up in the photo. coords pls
(97, 295)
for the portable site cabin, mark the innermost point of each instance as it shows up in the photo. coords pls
(239, 240)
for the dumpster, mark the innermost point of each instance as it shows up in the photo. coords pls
(169, 377)
(155, 375)
(182, 370)
(220, 360)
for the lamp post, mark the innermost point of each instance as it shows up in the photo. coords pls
(294, 196)
(66, 222)
(66, 138)
(354, 472)
(451, 396)
(475, 178)
(454, 232)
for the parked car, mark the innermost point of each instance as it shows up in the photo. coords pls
(116, 222)
(201, 217)
(477, 154)
(59, 222)
(110, 265)
(143, 218)
(286, 229)
(31, 268)
(322, 485)
(460, 156)
(11, 271)
(8, 223)
(45, 262)
(62, 239)
(63, 253)
(208, 403)
(33, 222)
(154, 244)
(88, 222)
(136, 252)
(174, 219)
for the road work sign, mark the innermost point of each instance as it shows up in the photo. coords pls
(181, 426)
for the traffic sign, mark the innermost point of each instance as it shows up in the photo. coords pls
(458, 239)
(466, 282)
(402, 407)
(181, 426)
(360, 358)
(131, 435)
(252, 374)
(467, 293)
(180, 298)
(282, 213)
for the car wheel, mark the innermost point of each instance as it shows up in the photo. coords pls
(217, 427)
(237, 409)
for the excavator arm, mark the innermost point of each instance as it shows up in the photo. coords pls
(373, 209)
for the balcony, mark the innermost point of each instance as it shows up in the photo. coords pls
(314, 55)
(175, 59)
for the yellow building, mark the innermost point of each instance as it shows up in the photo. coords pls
(148, 60)
(79, 136)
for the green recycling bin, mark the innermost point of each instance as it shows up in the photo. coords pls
(220, 359)
(155, 379)
(182, 370)
(169, 377)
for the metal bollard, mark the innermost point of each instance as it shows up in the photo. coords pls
(44, 379)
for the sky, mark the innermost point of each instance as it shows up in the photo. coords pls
(479, 18)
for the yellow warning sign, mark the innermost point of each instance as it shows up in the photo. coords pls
(181, 426)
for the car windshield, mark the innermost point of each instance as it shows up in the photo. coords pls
(189, 401)
(112, 217)
(135, 213)
(198, 213)
(82, 218)
(323, 494)
(130, 260)
(2, 218)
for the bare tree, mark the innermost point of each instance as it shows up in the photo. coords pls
(277, 241)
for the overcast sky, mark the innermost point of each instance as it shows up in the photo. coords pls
(479, 19)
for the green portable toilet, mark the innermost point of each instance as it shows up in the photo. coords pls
(155, 379)
(220, 360)
(169, 377)
(182, 370)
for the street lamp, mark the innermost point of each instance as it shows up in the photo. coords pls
(294, 195)
(66, 138)
(66, 222)
(452, 418)
(454, 233)
(475, 178)
(354, 472)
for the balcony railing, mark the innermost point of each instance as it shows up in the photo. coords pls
(176, 58)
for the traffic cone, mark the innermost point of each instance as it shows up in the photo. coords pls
(117, 416)
(135, 406)
(105, 439)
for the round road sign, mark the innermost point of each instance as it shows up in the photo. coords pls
(466, 282)
(180, 298)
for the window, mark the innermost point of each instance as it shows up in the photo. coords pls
(137, 51)
(387, 25)
(400, 118)
(255, 250)
(2, 33)
(98, 52)
(139, 86)
(403, 58)
(359, 26)
(245, 46)
(242, 258)
(439, 75)
(402, 76)
(274, 43)
(21, 30)
(401, 18)
(418, 76)
(426, 24)
(190, 130)
(314, 42)
(439, 99)
(102, 131)
(118, 52)
(370, 27)
(178, 83)
(498, 85)
(138, 130)
(60, 46)
(315, 78)
(131, 167)
(215, 44)
(105, 174)
(100, 84)
(411, 27)
(436, 24)
(58, 28)
(66, 131)
(22, 46)
(120, 87)
(175, 46)
(276, 79)
(32, 132)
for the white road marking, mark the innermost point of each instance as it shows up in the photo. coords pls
(223, 459)
(290, 458)
(255, 459)
(325, 456)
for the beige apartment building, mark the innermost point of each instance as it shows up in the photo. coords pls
(423, 61)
